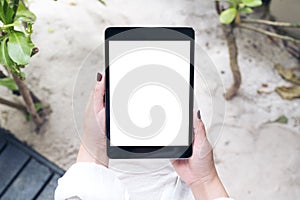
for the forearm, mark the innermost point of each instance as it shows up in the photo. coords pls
(209, 190)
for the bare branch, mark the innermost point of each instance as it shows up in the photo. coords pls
(13, 105)
(270, 23)
(259, 30)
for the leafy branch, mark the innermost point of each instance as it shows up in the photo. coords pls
(16, 45)
(16, 49)
(231, 18)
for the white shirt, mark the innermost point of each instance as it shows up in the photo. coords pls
(89, 181)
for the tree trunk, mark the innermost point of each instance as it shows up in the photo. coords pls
(233, 53)
(28, 101)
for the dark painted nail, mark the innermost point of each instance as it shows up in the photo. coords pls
(99, 77)
(198, 114)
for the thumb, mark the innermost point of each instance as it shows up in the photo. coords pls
(201, 145)
(199, 130)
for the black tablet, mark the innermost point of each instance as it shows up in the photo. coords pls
(149, 79)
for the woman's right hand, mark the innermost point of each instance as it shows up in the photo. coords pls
(199, 171)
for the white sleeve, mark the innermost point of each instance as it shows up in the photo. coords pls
(89, 181)
(223, 198)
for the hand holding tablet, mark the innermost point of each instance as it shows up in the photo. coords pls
(198, 171)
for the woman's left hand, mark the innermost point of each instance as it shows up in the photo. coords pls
(93, 141)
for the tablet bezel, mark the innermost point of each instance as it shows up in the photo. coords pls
(149, 34)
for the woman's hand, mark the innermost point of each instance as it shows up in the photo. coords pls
(199, 171)
(93, 141)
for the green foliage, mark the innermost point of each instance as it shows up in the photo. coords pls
(227, 16)
(9, 83)
(246, 10)
(19, 47)
(252, 3)
(6, 12)
(15, 38)
(38, 106)
(282, 120)
(4, 57)
(103, 2)
(236, 7)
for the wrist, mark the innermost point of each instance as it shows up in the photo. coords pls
(207, 177)
(93, 157)
(208, 188)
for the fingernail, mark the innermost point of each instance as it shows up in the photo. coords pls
(198, 114)
(99, 77)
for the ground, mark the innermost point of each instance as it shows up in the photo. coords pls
(256, 159)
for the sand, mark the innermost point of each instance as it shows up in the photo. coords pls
(256, 159)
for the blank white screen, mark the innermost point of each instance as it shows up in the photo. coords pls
(126, 56)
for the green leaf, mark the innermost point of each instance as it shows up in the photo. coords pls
(9, 83)
(246, 10)
(282, 120)
(28, 116)
(252, 3)
(19, 47)
(22, 75)
(25, 19)
(227, 16)
(230, 1)
(38, 106)
(13, 4)
(102, 1)
(25, 15)
(241, 5)
(4, 57)
(7, 13)
(6, 61)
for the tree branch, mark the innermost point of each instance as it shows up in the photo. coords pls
(270, 23)
(218, 7)
(13, 105)
(33, 96)
(233, 53)
(28, 100)
(259, 30)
